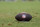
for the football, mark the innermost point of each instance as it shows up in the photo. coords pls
(23, 17)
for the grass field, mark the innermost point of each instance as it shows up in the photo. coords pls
(8, 11)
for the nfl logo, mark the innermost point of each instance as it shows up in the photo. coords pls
(23, 16)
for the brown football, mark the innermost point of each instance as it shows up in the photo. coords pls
(23, 17)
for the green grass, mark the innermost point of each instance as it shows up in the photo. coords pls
(8, 11)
